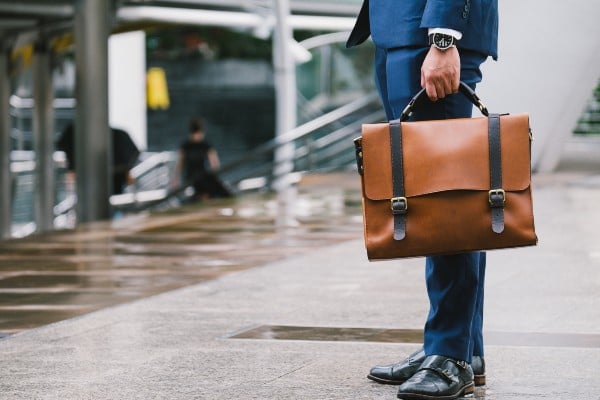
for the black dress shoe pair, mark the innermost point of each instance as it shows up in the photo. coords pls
(396, 374)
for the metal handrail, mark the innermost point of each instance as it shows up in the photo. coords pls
(338, 135)
(150, 163)
(312, 152)
(303, 130)
(22, 169)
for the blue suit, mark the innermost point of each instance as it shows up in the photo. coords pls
(404, 23)
(455, 284)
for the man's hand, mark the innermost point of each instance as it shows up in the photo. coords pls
(440, 73)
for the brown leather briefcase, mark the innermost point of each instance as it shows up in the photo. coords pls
(446, 186)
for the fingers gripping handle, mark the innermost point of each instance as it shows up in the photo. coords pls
(422, 95)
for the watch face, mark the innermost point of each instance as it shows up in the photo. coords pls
(442, 41)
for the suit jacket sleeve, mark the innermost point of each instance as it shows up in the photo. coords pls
(453, 14)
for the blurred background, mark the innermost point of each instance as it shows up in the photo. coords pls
(279, 94)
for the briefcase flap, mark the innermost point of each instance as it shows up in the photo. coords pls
(444, 155)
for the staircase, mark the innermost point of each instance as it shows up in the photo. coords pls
(589, 123)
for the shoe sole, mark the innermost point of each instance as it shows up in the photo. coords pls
(384, 381)
(465, 391)
(479, 380)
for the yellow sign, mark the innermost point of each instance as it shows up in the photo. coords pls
(157, 93)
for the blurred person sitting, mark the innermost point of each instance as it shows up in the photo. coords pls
(198, 163)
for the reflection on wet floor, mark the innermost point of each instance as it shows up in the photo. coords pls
(54, 276)
(336, 334)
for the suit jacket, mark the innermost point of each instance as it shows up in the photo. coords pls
(404, 23)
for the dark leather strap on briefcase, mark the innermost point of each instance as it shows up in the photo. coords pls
(399, 203)
(497, 196)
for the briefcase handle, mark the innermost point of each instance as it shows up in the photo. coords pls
(463, 88)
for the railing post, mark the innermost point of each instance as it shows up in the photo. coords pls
(285, 92)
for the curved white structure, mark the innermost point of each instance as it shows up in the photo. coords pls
(549, 64)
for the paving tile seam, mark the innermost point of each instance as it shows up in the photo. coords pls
(492, 338)
(47, 307)
(363, 343)
(55, 290)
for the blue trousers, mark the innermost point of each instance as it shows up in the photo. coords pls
(455, 283)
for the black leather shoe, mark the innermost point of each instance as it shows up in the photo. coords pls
(395, 374)
(439, 377)
(478, 365)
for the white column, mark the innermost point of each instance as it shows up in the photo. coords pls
(548, 67)
(127, 85)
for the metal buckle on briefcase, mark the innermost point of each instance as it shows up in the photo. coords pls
(399, 205)
(497, 197)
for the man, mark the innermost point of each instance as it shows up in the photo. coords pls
(433, 44)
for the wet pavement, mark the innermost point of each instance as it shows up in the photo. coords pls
(59, 275)
(308, 316)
